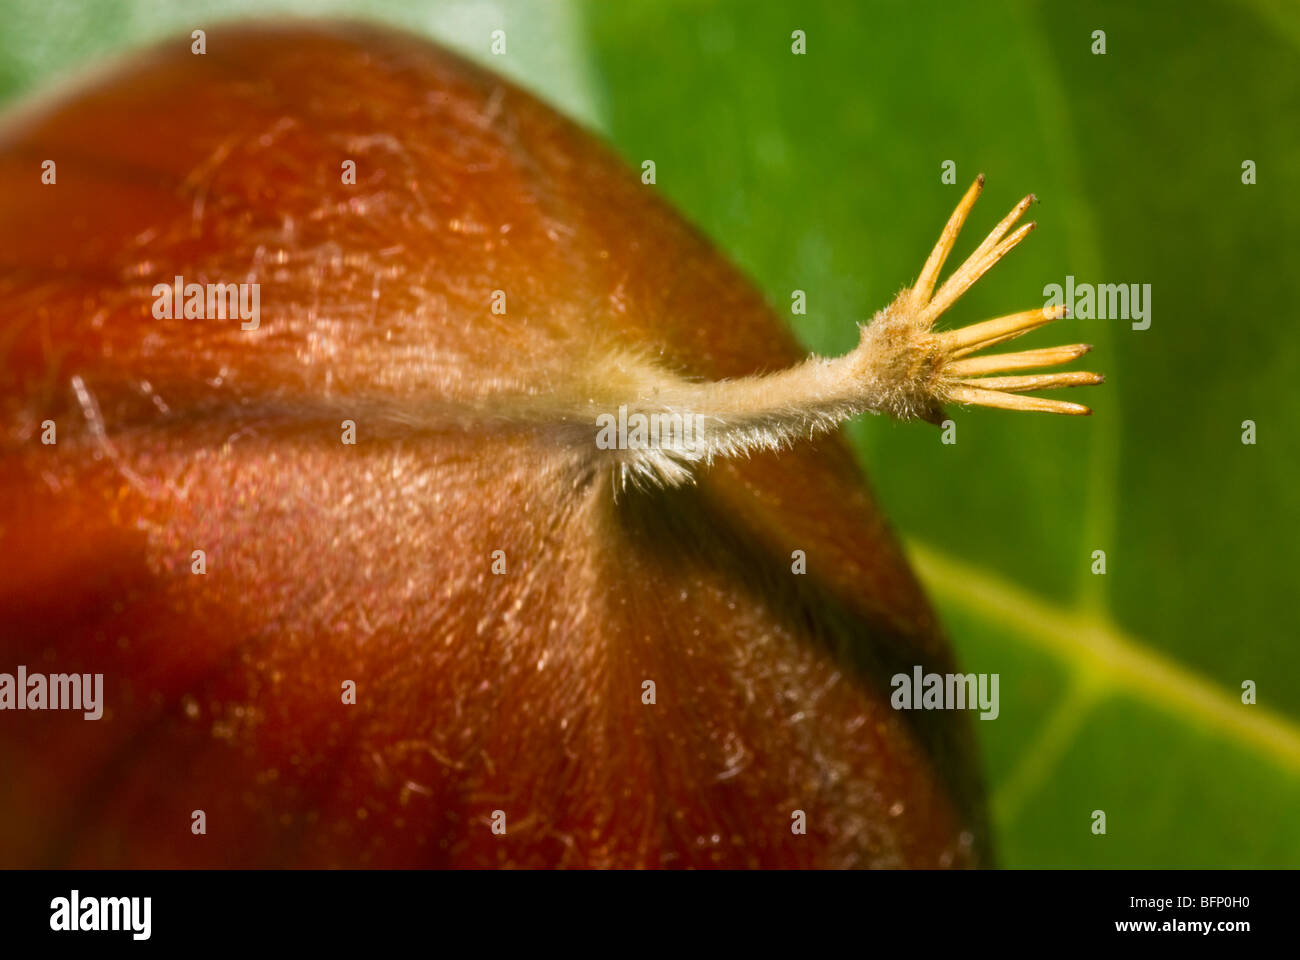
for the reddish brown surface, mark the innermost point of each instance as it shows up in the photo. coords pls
(372, 562)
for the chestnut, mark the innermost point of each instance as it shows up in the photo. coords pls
(362, 586)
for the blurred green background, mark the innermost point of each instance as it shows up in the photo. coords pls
(822, 172)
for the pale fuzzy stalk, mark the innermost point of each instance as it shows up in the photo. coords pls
(900, 367)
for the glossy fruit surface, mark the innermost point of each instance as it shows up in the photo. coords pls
(477, 692)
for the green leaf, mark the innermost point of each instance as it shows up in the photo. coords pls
(821, 172)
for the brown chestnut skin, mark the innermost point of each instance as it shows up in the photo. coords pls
(476, 692)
